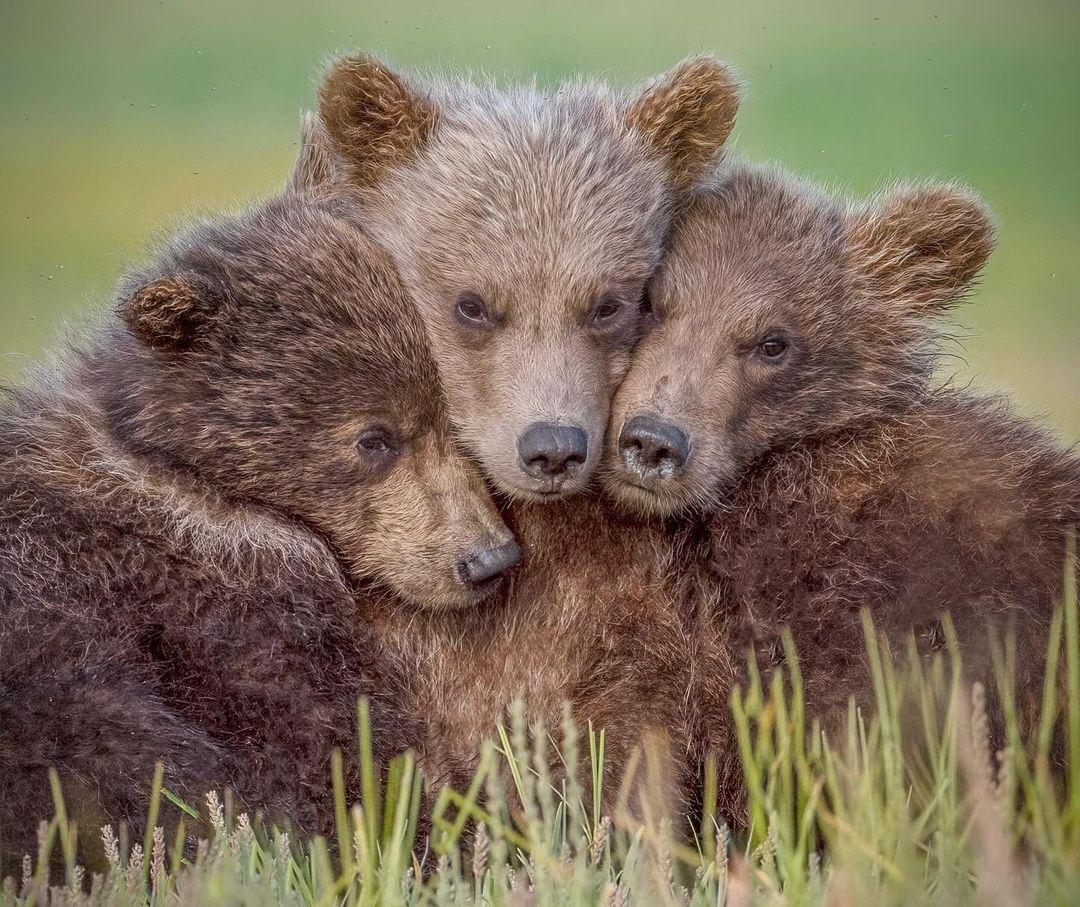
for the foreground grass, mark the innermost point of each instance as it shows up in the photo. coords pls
(891, 814)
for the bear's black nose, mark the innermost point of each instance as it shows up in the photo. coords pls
(487, 564)
(551, 449)
(653, 447)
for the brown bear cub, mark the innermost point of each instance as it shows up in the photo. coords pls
(191, 508)
(526, 224)
(786, 392)
(591, 619)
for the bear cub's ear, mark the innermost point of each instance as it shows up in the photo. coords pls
(172, 312)
(314, 167)
(372, 116)
(922, 246)
(687, 114)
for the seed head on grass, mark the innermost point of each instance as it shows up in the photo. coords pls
(243, 837)
(216, 811)
(765, 853)
(481, 848)
(134, 869)
(1005, 778)
(445, 879)
(359, 841)
(42, 838)
(112, 847)
(663, 852)
(615, 894)
(723, 844)
(157, 862)
(78, 875)
(599, 842)
(997, 872)
(982, 766)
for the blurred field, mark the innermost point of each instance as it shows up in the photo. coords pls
(122, 117)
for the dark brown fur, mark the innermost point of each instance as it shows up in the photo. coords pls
(545, 213)
(189, 529)
(837, 476)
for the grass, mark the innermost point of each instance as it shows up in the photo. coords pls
(891, 813)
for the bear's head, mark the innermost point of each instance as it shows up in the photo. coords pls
(275, 359)
(781, 313)
(526, 224)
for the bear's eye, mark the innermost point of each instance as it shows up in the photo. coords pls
(772, 347)
(472, 310)
(376, 446)
(606, 310)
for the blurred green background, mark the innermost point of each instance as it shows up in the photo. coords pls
(121, 118)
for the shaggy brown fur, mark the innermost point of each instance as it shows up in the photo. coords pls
(590, 618)
(795, 347)
(176, 507)
(526, 224)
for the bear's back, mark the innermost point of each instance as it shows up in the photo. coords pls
(954, 499)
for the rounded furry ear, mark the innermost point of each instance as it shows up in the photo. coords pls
(922, 246)
(314, 165)
(687, 114)
(372, 117)
(171, 312)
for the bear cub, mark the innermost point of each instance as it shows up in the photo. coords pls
(196, 507)
(785, 393)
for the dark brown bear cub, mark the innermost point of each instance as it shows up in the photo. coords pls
(191, 508)
(786, 392)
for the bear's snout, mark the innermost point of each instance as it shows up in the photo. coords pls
(553, 451)
(480, 570)
(652, 448)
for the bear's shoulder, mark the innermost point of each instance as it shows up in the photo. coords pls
(954, 452)
(82, 522)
